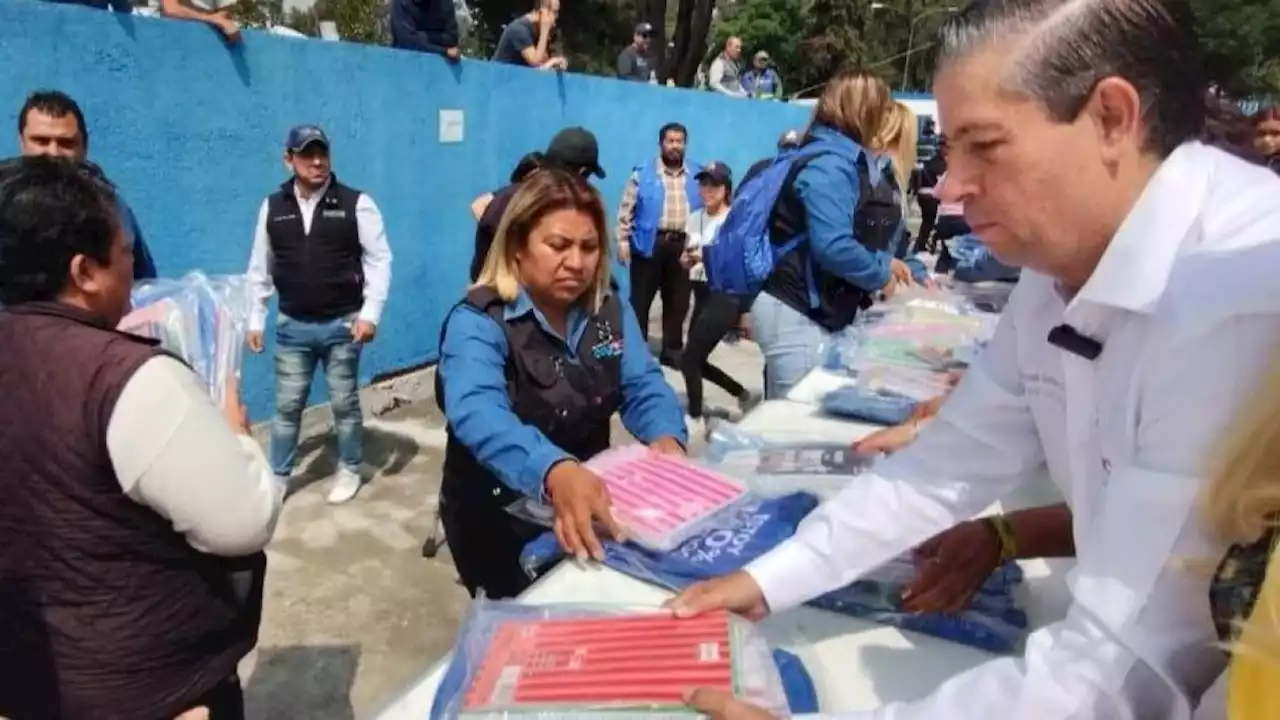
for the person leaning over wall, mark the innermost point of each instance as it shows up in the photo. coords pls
(135, 509)
(51, 123)
(534, 363)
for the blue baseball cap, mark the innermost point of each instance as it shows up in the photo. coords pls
(303, 135)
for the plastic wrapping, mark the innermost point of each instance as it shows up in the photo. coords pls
(903, 352)
(583, 662)
(662, 500)
(775, 469)
(993, 621)
(201, 320)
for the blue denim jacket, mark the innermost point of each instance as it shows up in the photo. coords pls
(478, 409)
(828, 187)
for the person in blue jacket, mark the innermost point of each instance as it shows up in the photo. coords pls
(51, 124)
(534, 363)
(816, 291)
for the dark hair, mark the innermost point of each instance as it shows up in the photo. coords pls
(1072, 45)
(728, 189)
(530, 162)
(672, 127)
(51, 209)
(53, 103)
(1227, 127)
(1267, 114)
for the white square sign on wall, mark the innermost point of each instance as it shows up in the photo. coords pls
(452, 123)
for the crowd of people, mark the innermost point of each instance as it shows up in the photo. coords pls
(1135, 360)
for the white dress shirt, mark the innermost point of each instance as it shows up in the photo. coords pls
(1186, 305)
(375, 257)
(173, 452)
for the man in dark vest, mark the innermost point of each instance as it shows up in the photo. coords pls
(135, 509)
(323, 246)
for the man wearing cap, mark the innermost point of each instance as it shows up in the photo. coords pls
(762, 81)
(633, 61)
(725, 76)
(573, 149)
(323, 246)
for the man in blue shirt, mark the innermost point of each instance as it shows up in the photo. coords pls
(51, 124)
(527, 39)
(762, 81)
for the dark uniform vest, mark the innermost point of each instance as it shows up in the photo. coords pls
(319, 275)
(571, 403)
(105, 611)
(875, 223)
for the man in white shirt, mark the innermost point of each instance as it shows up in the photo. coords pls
(323, 246)
(1146, 312)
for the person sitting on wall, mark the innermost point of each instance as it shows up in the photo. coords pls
(324, 247)
(429, 26)
(574, 149)
(527, 39)
(135, 509)
(51, 124)
(534, 363)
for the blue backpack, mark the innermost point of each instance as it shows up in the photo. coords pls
(744, 255)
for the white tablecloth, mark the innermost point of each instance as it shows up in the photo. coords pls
(855, 664)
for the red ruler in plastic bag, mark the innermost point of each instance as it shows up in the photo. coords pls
(632, 661)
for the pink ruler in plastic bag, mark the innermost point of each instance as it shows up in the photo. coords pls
(613, 661)
(658, 498)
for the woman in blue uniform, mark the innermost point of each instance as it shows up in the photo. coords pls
(534, 363)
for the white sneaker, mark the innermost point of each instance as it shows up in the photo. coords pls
(346, 486)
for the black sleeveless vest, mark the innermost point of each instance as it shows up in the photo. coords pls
(570, 402)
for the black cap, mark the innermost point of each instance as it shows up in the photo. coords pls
(303, 135)
(644, 28)
(790, 139)
(575, 148)
(716, 173)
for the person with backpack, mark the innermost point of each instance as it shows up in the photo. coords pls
(811, 237)
(715, 314)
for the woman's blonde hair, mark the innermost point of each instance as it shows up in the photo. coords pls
(854, 103)
(1242, 500)
(542, 193)
(897, 138)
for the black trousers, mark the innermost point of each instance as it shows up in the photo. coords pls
(662, 273)
(928, 218)
(714, 315)
(485, 542)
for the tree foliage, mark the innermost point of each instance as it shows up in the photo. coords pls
(1241, 40)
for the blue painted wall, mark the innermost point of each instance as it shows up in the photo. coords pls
(192, 132)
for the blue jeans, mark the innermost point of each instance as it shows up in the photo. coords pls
(300, 346)
(791, 343)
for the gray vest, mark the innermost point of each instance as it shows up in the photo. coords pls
(732, 79)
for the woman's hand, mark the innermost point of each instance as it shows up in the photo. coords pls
(579, 500)
(951, 567)
(736, 592)
(668, 445)
(899, 272)
(689, 258)
(720, 705)
(889, 440)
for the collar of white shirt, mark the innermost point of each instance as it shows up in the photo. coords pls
(1135, 267)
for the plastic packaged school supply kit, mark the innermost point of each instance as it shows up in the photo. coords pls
(903, 352)
(200, 319)
(583, 662)
(775, 469)
(662, 500)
